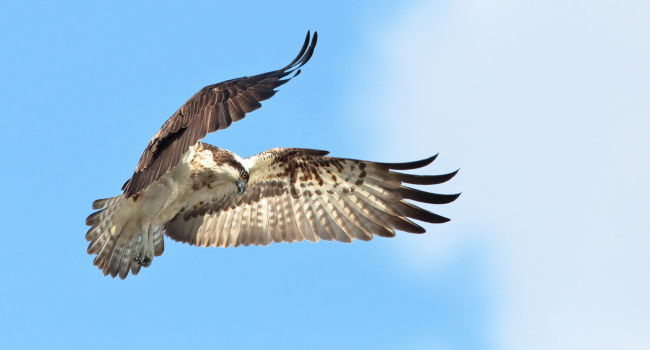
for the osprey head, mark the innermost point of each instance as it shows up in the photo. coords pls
(227, 167)
(235, 171)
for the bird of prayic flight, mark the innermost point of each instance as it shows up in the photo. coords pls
(207, 196)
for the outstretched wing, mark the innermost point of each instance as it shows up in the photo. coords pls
(296, 194)
(212, 108)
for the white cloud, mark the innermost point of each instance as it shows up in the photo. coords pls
(546, 108)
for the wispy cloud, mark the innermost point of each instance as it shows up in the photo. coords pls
(544, 106)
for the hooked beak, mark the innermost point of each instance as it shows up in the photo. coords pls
(241, 186)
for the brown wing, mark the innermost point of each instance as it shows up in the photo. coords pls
(297, 194)
(212, 108)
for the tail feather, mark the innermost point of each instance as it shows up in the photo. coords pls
(138, 246)
(105, 202)
(114, 241)
(126, 260)
(158, 241)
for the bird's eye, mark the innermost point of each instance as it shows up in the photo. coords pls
(244, 176)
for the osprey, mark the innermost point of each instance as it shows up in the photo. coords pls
(206, 196)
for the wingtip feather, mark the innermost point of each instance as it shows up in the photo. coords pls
(427, 197)
(426, 179)
(410, 165)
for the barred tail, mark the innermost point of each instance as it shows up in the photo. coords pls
(114, 242)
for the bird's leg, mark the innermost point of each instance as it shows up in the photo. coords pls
(146, 255)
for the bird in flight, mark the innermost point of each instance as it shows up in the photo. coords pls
(203, 195)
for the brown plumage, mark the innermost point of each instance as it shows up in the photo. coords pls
(212, 108)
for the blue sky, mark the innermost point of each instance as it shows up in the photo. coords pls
(543, 106)
(87, 84)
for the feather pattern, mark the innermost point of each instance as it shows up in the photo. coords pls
(297, 194)
(212, 108)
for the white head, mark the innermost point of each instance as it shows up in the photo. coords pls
(224, 165)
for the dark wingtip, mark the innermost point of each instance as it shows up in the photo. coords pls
(406, 225)
(426, 179)
(300, 53)
(427, 197)
(310, 51)
(314, 39)
(410, 165)
(306, 51)
(315, 152)
(418, 213)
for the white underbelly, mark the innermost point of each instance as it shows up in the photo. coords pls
(189, 183)
(160, 201)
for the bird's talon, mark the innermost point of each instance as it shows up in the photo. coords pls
(142, 261)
